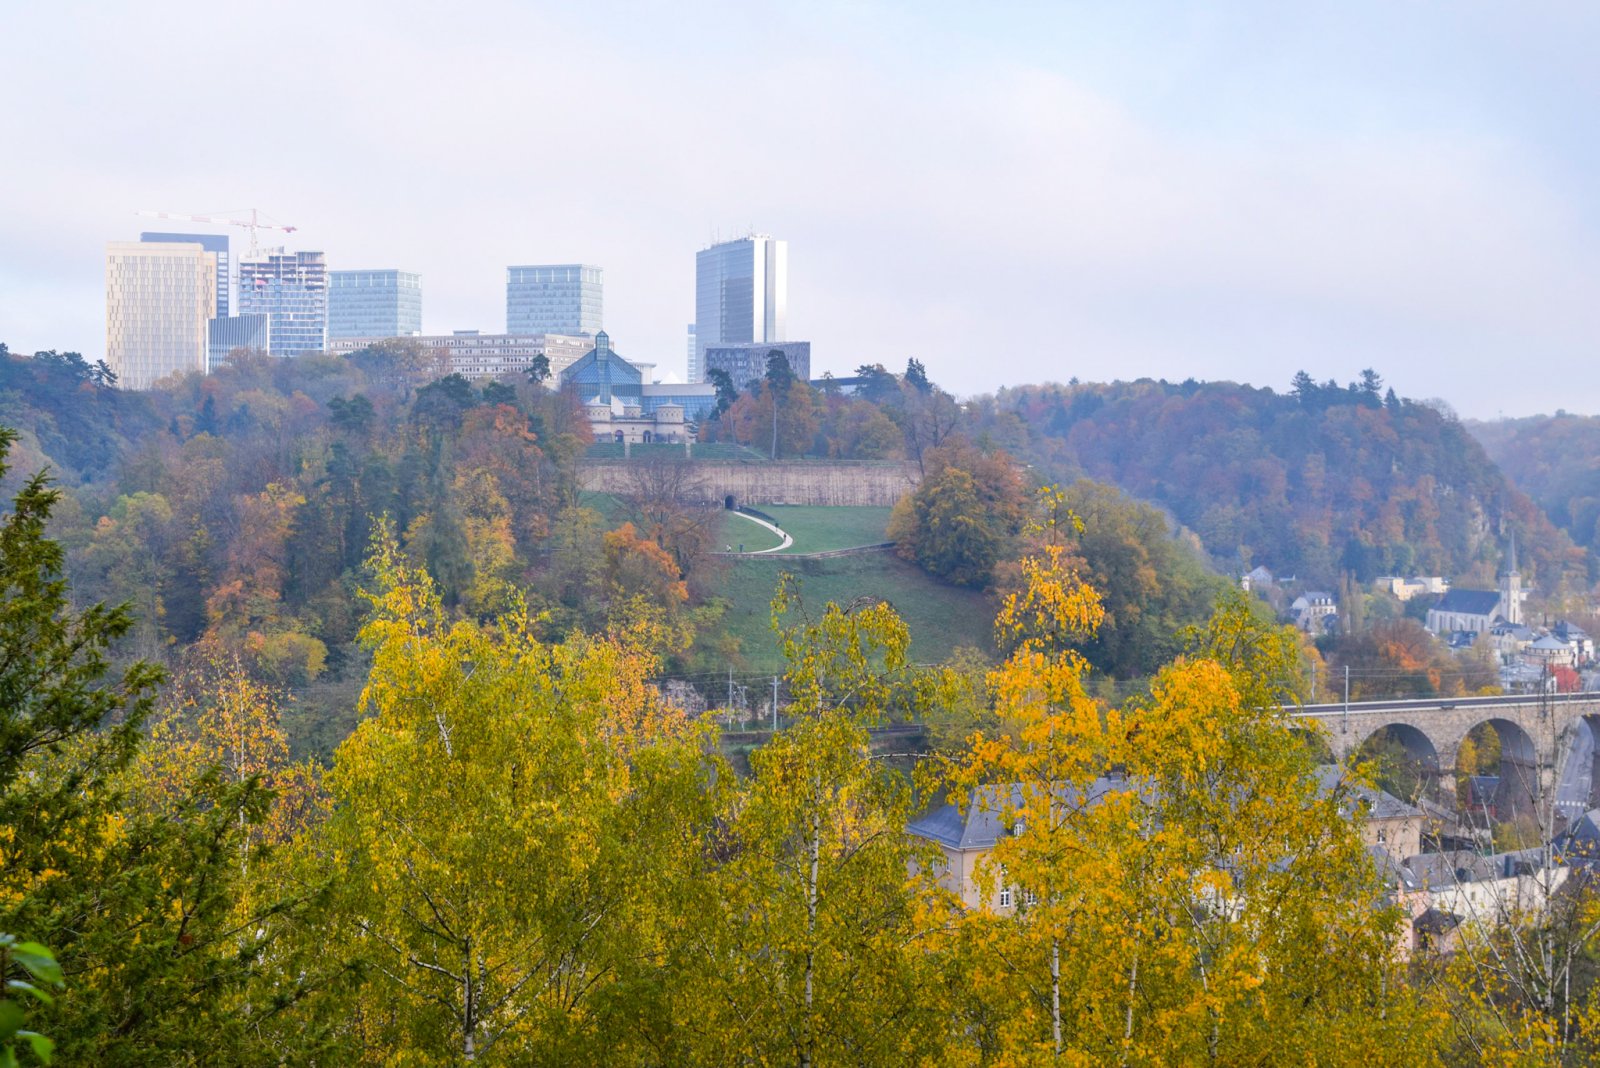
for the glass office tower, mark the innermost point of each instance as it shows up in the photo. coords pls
(292, 288)
(374, 304)
(230, 333)
(741, 294)
(560, 298)
(217, 245)
(160, 297)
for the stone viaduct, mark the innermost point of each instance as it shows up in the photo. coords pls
(1537, 734)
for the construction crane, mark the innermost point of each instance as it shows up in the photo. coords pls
(252, 224)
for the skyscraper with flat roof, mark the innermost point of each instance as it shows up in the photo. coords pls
(217, 245)
(741, 294)
(292, 288)
(382, 303)
(556, 298)
(160, 299)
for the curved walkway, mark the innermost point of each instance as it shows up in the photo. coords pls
(787, 541)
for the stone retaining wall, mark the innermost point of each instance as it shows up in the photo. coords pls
(786, 482)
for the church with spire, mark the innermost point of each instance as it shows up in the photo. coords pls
(1479, 611)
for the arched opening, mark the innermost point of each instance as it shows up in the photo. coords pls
(1405, 761)
(728, 502)
(1506, 807)
(618, 435)
(647, 437)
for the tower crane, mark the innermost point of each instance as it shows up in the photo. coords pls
(253, 223)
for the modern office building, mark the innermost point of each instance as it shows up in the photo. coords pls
(160, 298)
(291, 287)
(560, 298)
(747, 362)
(741, 294)
(374, 304)
(229, 333)
(474, 355)
(217, 245)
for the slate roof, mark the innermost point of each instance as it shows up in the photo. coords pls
(1436, 922)
(1459, 867)
(981, 826)
(1392, 871)
(1512, 630)
(1548, 644)
(1381, 805)
(1581, 843)
(1469, 602)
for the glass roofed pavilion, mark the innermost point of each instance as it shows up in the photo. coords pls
(601, 374)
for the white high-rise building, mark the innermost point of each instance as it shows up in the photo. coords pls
(741, 293)
(160, 299)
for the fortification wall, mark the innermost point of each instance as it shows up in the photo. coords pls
(785, 482)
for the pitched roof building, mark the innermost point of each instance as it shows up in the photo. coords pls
(1477, 611)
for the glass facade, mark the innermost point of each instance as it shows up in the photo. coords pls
(604, 374)
(562, 298)
(159, 298)
(227, 333)
(741, 294)
(374, 304)
(748, 362)
(292, 288)
(217, 245)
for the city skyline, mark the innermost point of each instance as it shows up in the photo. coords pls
(1158, 191)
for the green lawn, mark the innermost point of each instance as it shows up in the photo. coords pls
(817, 530)
(735, 530)
(941, 617)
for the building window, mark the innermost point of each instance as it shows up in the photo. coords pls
(1005, 897)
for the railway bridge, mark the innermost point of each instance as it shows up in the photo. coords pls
(1539, 734)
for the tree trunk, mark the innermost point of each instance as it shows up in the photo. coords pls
(469, 1023)
(808, 1037)
(1055, 993)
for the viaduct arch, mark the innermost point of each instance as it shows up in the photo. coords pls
(1538, 733)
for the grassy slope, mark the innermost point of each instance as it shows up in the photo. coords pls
(941, 617)
(816, 530)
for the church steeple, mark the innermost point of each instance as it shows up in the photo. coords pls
(1511, 586)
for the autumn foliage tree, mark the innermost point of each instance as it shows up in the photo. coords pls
(1182, 890)
(960, 521)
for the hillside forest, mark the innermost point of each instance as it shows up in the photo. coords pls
(522, 855)
(337, 730)
(236, 508)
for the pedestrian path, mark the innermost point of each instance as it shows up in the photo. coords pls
(787, 541)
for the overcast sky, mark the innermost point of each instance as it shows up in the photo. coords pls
(1010, 192)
